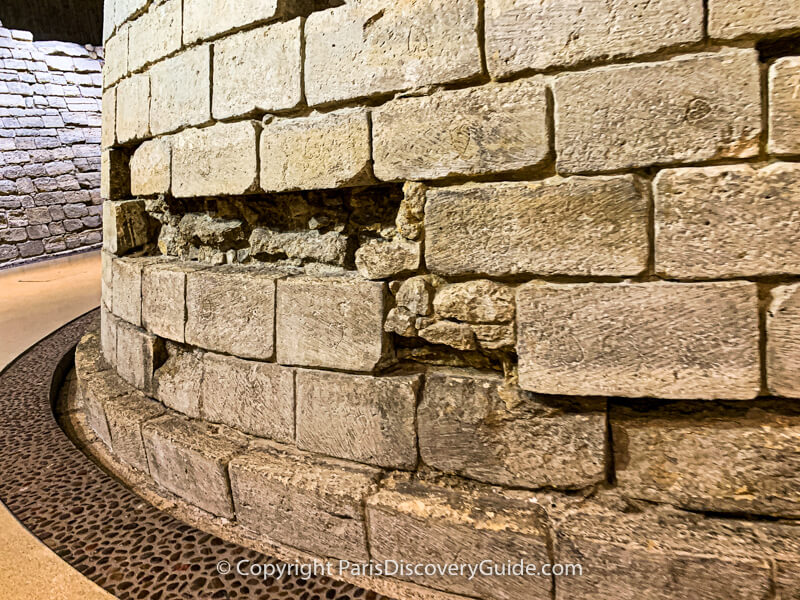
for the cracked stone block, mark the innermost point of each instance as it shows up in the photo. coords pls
(108, 335)
(178, 382)
(164, 298)
(784, 105)
(783, 341)
(138, 354)
(97, 389)
(125, 417)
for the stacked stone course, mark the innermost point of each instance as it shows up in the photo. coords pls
(435, 280)
(49, 147)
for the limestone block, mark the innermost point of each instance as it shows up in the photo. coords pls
(150, 168)
(371, 47)
(692, 108)
(125, 9)
(116, 57)
(783, 341)
(334, 322)
(721, 457)
(731, 221)
(178, 382)
(478, 301)
(358, 417)
(784, 105)
(180, 91)
(574, 226)
(115, 177)
(308, 502)
(164, 298)
(218, 160)
(154, 35)
(307, 245)
(190, 459)
(133, 108)
(97, 389)
(138, 355)
(489, 129)
(252, 397)
(127, 290)
(232, 310)
(109, 111)
(125, 226)
(258, 70)
(423, 523)
(729, 19)
(125, 416)
(381, 259)
(449, 333)
(535, 34)
(329, 150)
(669, 340)
(88, 355)
(108, 335)
(479, 428)
(108, 19)
(207, 18)
(416, 295)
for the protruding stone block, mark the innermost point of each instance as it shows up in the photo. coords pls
(334, 322)
(154, 35)
(329, 150)
(669, 340)
(252, 397)
(125, 225)
(784, 105)
(731, 221)
(695, 107)
(729, 19)
(164, 298)
(368, 48)
(190, 459)
(177, 383)
(232, 310)
(479, 428)
(125, 416)
(180, 91)
(150, 168)
(478, 301)
(309, 502)
(358, 417)
(783, 341)
(138, 355)
(575, 226)
(215, 161)
(133, 108)
(488, 129)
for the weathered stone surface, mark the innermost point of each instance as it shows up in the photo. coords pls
(692, 108)
(127, 290)
(163, 298)
(150, 168)
(409, 221)
(88, 356)
(367, 48)
(252, 397)
(731, 221)
(108, 135)
(479, 301)
(784, 105)
(232, 310)
(125, 9)
(210, 230)
(115, 181)
(479, 428)
(329, 150)
(416, 295)
(133, 108)
(310, 245)
(783, 341)
(258, 70)
(401, 321)
(217, 160)
(422, 523)
(190, 459)
(116, 57)
(573, 226)
(154, 35)
(208, 18)
(177, 383)
(125, 226)
(381, 259)
(180, 91)
(108, 335)
(494, 337)
(312, 503)
(449, 333)
(97, 389)
(535, 34)
(489, 129)
(138, 354)
(721, 457)
(125, 416)
(737, 18)
(334, 322)
(670, 340)
(358, 417)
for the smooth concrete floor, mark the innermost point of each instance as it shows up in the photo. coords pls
(36, 300)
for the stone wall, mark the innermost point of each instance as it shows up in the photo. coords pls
(49, 147)
(429, 281)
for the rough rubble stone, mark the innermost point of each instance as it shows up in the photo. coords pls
(125, 226)
(138, 355)
(177, 383)
(489, 129)
(358, 417)
(449, 333)
(494, 337)
(784, 105)
(416, 294)
(479, 301)
(150, 168)
(669, 340)
(574, 226)
(382, 259)
(731, 221)
(154, 35)
(412, 211)
(783, 341)
(180, 91)
(125, 417)
(400, 321)
(133, 108)
(311, 245)
(309, 502)
(729, 19)
(695, 107)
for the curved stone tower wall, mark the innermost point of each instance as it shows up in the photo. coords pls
(452, 281)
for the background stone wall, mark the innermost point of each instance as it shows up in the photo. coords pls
(485, 279)
(49, 147)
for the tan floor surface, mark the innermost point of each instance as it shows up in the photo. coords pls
(34, 301)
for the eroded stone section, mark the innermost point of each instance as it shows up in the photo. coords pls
(125, 226)
(180, 91)
(669, 340)
(252, 397)
(784, 105)
(178, 382)
(573, 226)
(138, 355)
(783, 341)
(732, 221)
(538, 35)
(729, 19)
(489, 129)
(125, 417)
(309, 502)
(695, 107)
(151, 168)
(190, 459)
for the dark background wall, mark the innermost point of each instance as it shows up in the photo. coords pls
(78, 21)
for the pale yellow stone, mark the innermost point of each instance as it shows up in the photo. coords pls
(784, 106)
(180, 90)
(116, 57)
(207, 18)
(783, 341)
(738, 18)
(108, 135)
(155, 34)
(150, 168)
(133, 108)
